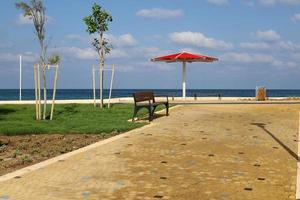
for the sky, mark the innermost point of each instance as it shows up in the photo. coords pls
(257, 43)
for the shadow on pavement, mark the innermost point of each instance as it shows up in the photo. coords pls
(263, 127)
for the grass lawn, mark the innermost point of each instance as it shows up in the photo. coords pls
(68, 119)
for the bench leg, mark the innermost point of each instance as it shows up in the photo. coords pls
(153, 111)
(167, 109)
(150, 113)
(134, 113)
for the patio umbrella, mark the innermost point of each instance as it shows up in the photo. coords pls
(184, 57)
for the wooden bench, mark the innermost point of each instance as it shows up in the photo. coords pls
(147, 100)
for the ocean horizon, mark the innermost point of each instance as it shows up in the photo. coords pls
(64, 94)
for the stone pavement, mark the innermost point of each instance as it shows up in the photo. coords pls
(198, 152)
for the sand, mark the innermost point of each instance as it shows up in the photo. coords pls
(175, 100)
(198, 152)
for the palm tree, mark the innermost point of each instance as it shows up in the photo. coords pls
(36, 12)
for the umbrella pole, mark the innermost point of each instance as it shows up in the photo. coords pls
(184, 80)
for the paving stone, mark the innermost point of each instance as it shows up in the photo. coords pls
(198, 152)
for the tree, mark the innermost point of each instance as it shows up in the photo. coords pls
(98, 22)
(36, 12)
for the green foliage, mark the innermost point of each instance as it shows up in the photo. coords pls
(98, 21)
(36, 7)
(107, 47)
(26, 159)
(69, 118)
(54, 59)
(36, 12)
(26, 9)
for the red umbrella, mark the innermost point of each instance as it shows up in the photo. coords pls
(184, 57)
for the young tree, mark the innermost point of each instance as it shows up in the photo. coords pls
(36, 12)
(98, 22)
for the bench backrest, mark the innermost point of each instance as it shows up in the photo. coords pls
(143, 96)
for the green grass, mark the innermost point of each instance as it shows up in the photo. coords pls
(68, 119)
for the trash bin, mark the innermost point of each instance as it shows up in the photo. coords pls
(261, 93)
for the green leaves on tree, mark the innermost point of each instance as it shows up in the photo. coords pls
(98, 22)
(54, 59)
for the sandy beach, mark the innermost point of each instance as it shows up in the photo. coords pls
(198, 152)
(175, 100)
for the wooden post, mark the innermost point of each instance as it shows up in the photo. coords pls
(54, 91)
(101, 71)
(35, 92)
(94, 84)
(111, 84)
(39, 91)
(20, 95)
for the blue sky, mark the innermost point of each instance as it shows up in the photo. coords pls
(257, 42)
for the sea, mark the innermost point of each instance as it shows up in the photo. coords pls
(28, 94)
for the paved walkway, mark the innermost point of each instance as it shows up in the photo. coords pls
(199, 152)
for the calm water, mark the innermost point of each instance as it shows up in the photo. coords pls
(28, 94)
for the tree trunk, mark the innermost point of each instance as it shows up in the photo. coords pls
(44, 68)
(101, 70)
(101, 84)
